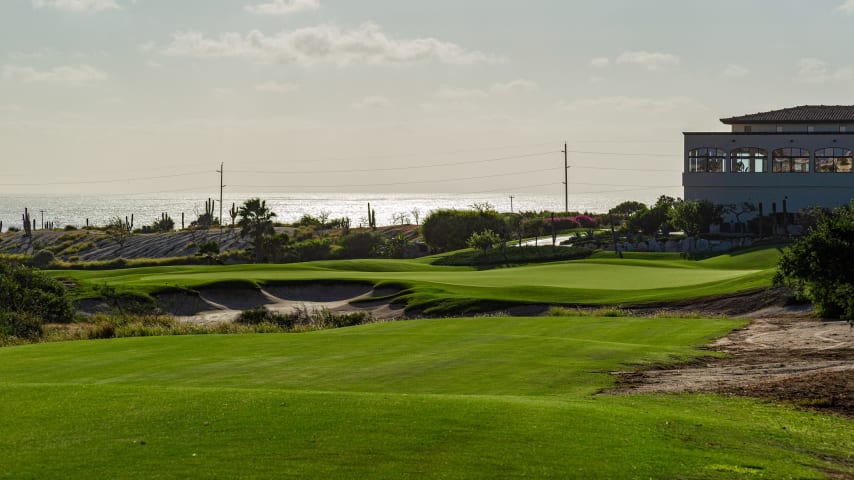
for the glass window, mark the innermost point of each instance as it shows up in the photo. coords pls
(790, 160)
(747, 160)
(706, 160)
(833, 160)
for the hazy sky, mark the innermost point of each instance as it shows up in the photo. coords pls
(394, 95)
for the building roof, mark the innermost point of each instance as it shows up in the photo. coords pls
(801, 114)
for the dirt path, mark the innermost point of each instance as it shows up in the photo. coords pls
(788, 356)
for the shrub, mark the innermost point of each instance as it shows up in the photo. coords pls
(43, 258)
(359, 245)
(451, 229)
(20, 325)
(819, 265)
(27, 291)
(483, 241)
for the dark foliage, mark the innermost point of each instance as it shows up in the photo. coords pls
(451, 229)
(821, 265)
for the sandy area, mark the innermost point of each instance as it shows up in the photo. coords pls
(784, 354)
(224, 305)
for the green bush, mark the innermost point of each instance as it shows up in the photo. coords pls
(24, 290)
(451, 229)
(20, 325)
(43, 258)
(483, 241)
(819, 266)
(359, 245)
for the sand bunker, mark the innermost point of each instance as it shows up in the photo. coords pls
(219, 305)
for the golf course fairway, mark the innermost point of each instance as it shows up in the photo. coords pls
(489, 397)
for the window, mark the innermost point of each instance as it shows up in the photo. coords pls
(810, 129)
(706, 160)
(748, 129)
(747, 160)
(833, 160)
(843, 128)
(779, 129)
(790, 160)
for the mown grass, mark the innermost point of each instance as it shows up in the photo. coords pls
(442, 289)
(451, 398)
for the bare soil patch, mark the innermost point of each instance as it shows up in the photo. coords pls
(787, 356)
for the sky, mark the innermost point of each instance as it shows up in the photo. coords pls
(150, 96)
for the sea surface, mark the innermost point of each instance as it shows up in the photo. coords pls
(390, 208)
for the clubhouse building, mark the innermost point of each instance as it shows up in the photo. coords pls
(800, 155)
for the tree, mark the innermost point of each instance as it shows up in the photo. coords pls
(451, 229)
(484, 240)
(692, 217)
(256, 221)
(119, 231)
(28, 298)
(819, 265)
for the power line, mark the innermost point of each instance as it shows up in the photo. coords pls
(390, 169)
(625, 169)
(420, 182)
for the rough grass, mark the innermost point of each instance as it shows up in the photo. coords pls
(456, 398)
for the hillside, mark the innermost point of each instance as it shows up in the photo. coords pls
(91, 245)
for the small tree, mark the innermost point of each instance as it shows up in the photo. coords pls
(256, 221)
(692, 217)
(119, 231)
(484, 240)
(819, 265)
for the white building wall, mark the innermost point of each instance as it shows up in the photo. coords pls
(800, 190)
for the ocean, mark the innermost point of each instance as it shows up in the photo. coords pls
(390, 208)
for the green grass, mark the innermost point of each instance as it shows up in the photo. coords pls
(452, 398)
(598, 280)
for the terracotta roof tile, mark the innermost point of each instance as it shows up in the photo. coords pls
(801, 114)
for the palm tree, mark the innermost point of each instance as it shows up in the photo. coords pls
(255, 222)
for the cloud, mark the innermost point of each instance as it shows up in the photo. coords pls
(623, 104)
(450, 93)
(372, 102)
(735, 71)
(652, 61)
(520, 85)
(153, 65)
(846, 7)
(77, 6)
(283, 7)
(323, 44)
(274, 87)
(75, 75)
(815, 70)
(600, 62)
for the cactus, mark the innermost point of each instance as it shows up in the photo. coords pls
(233, 213)
(28, 231)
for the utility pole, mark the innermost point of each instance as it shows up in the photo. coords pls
(566, 177)
(511, 203)
(221, 186)
(42, 212)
